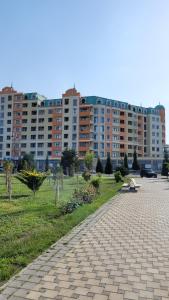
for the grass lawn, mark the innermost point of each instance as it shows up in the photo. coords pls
(30, 225)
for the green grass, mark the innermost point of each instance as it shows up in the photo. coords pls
(30, 225)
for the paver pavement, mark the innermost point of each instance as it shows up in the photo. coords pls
(121, 252)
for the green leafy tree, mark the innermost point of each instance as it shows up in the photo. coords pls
(99, 167)
(108, 167)
(68, 161)
(164, 171)
(8, 169)
(135, 165)
(126, 161)
(88, 160)
(26, 162)
(32, 179)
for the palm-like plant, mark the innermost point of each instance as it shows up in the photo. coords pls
(32, 179)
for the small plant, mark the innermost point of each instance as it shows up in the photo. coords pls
(86, 194)
(96, 183)
(70, 206)
(117, 176)
(122, 170)
(86, 175)
(32, 179)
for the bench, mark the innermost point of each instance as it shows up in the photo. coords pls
(131, 186)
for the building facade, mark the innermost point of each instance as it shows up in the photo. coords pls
(31, 123)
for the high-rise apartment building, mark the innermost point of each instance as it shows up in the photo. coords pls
(32, 123)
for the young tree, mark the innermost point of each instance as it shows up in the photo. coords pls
(164, 171)
(135, 165)
(8, 168)
(68, 160)
(47, 163)
(126, 161)
(88, 160)
(108, 167)
(26, 162)
(32, 179)
(99, 167)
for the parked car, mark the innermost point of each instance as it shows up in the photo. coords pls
(149, 173)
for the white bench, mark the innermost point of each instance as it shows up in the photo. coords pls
(131, 186)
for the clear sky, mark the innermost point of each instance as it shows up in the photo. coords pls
(111, 48)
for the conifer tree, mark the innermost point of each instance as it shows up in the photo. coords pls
(135, 165)
(99, 167)
(126, 161)
(108, 167)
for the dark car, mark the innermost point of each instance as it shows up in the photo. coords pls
(148, 173)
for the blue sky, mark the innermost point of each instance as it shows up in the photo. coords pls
(117, 49)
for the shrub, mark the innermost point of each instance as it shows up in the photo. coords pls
(117, 176)
(96, 183)
(99, 175)
(86, 175)
(86, 194)
(122, 170)
(70, 206)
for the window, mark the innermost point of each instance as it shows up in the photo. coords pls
(8, 121)
(33, 128)
(8, 137)
(24, 113)
(66, 127)
(40, 145)
(65, 136)
(41, 120)
(74, 102)
(66, 119)
(66, 101)
(9, 114)
(24, 121)
(33, 137)
(49, 144)
(8, 129)
(66, 110)
(40, 153)
(65, 145)
(24, 128)
(23, 145)
(9, 106)
(8, 145)
(40, 136)
(49, 119)
(24, 105)
(34, 112)
(33, 120)
(49, 136)
(24, 137)
(7, 153)
(9, 98)
(49, 127)
(41, 112)
(40, 128)
(34, 104)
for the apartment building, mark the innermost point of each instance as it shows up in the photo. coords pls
(32, 123)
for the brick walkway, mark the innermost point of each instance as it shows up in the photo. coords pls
(121, 252)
